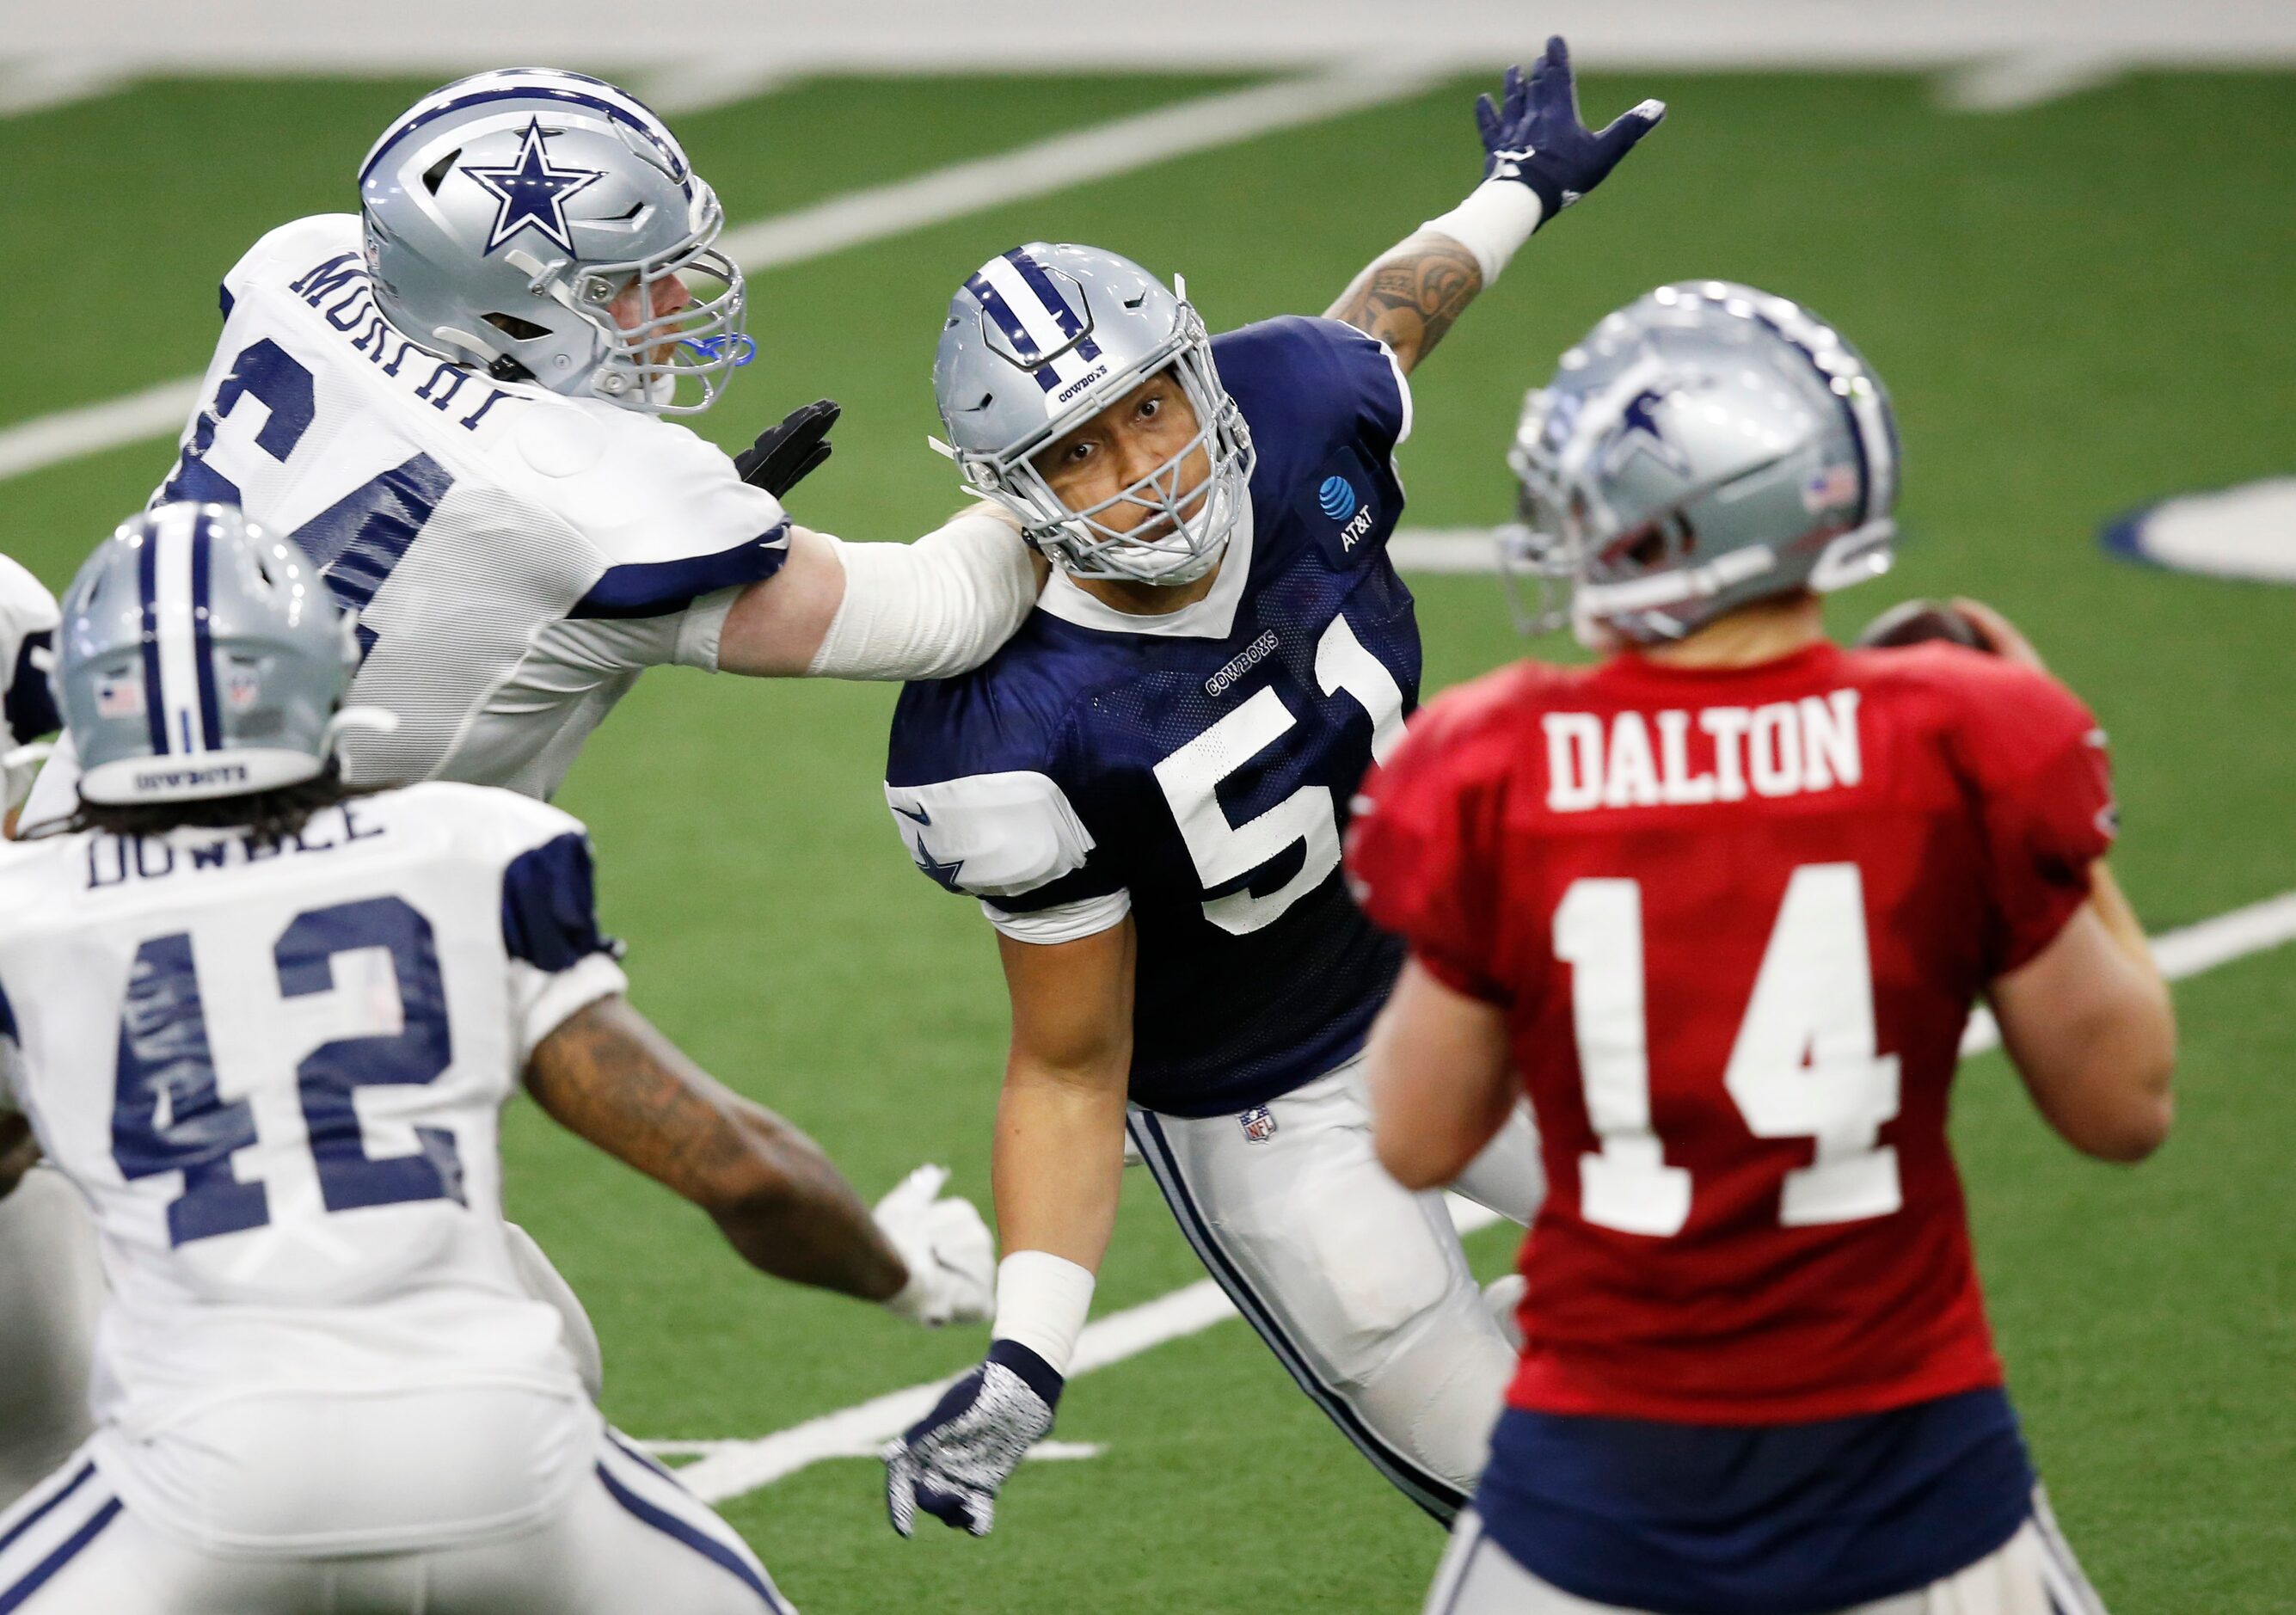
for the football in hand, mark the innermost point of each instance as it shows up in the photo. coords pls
(1917, 620)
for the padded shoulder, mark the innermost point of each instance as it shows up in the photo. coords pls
(663, 510)
(503, 822)
(993, 835)
(1306, 385)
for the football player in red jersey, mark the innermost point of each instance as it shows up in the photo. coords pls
(1722, 904)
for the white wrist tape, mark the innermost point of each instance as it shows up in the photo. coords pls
(1496, 219)
(1041, 1303)
(927, 610)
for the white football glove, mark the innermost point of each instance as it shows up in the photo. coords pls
(950, 1254)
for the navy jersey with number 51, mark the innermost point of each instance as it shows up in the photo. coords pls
(1196, 769)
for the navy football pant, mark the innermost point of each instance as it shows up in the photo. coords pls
(2033, 1573)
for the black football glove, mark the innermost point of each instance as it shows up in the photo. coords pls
(783, 456)
(1534, 136)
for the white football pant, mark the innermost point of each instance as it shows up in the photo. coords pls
(1356, 1283)
(2033, 1573)
(51, 1290)
(629, 1539)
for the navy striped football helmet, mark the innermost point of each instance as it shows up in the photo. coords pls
(201, 657)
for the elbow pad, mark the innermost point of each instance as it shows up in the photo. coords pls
(929, 609)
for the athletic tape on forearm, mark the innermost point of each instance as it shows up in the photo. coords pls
(1493, 223)
(927, 610)
(1041, 1303)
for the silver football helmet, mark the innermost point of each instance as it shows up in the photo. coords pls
(1706, 446)
(1038, 341)
(508, 214)
(202, 657)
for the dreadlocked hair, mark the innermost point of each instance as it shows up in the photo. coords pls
(267, 815)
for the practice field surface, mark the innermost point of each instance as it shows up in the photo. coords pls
(2078, 307)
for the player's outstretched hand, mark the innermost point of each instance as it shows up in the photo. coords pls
(783, 456)
(1533, 135)
(950, 1254)
(953, 1462)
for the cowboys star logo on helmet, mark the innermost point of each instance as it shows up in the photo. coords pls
(1640, 432)
(532, 192)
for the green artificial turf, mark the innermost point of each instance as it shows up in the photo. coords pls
(2078, 306)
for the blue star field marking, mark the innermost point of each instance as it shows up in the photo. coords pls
(532, 192)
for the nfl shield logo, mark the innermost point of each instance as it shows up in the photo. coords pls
(1258, 1126)
(242, 689)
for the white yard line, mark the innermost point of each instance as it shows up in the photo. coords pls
(1098, 153)
(38, 83)
(730, 1468)
(855, 218)
(2026, 79)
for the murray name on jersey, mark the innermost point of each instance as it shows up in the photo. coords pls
(1196, 769)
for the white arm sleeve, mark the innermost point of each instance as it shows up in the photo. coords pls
(932, 609)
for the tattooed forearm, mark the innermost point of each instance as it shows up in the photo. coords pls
(1411, 296)
(609, 1077)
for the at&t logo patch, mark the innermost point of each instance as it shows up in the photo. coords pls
(1338, 497)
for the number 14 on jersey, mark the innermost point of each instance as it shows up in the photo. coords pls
(1803, 1065)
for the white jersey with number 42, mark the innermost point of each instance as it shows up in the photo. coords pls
(276, 1070)
(516, 558)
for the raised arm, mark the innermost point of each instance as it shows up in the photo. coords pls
(1538, 160)
(939, 606)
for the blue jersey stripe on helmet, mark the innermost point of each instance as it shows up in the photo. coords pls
(1049, 295)
(1024, 346)
(155, 693)
(619, 114)
(202, 638)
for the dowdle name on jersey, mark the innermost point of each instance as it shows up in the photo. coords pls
(1709, 754)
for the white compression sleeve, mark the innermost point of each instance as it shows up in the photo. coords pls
(1041, 1303)
(929, 609)
(1496, 219)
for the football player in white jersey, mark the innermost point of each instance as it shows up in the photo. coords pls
(266, 1024)
(48, 1273)
(455, 402)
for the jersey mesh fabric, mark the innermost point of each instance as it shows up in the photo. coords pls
(1223, 1020)
(336, 1022)
(1980, 799)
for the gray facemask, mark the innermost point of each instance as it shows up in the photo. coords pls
(509, 216)
(1038, 341)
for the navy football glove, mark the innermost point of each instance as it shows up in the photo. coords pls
(952, 1461)
(785, 454)
(1534, 136)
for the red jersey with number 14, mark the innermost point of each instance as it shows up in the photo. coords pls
(1737, 919)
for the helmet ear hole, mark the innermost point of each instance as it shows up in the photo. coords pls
(515, 328)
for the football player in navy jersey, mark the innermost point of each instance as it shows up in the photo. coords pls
(1146, 790)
